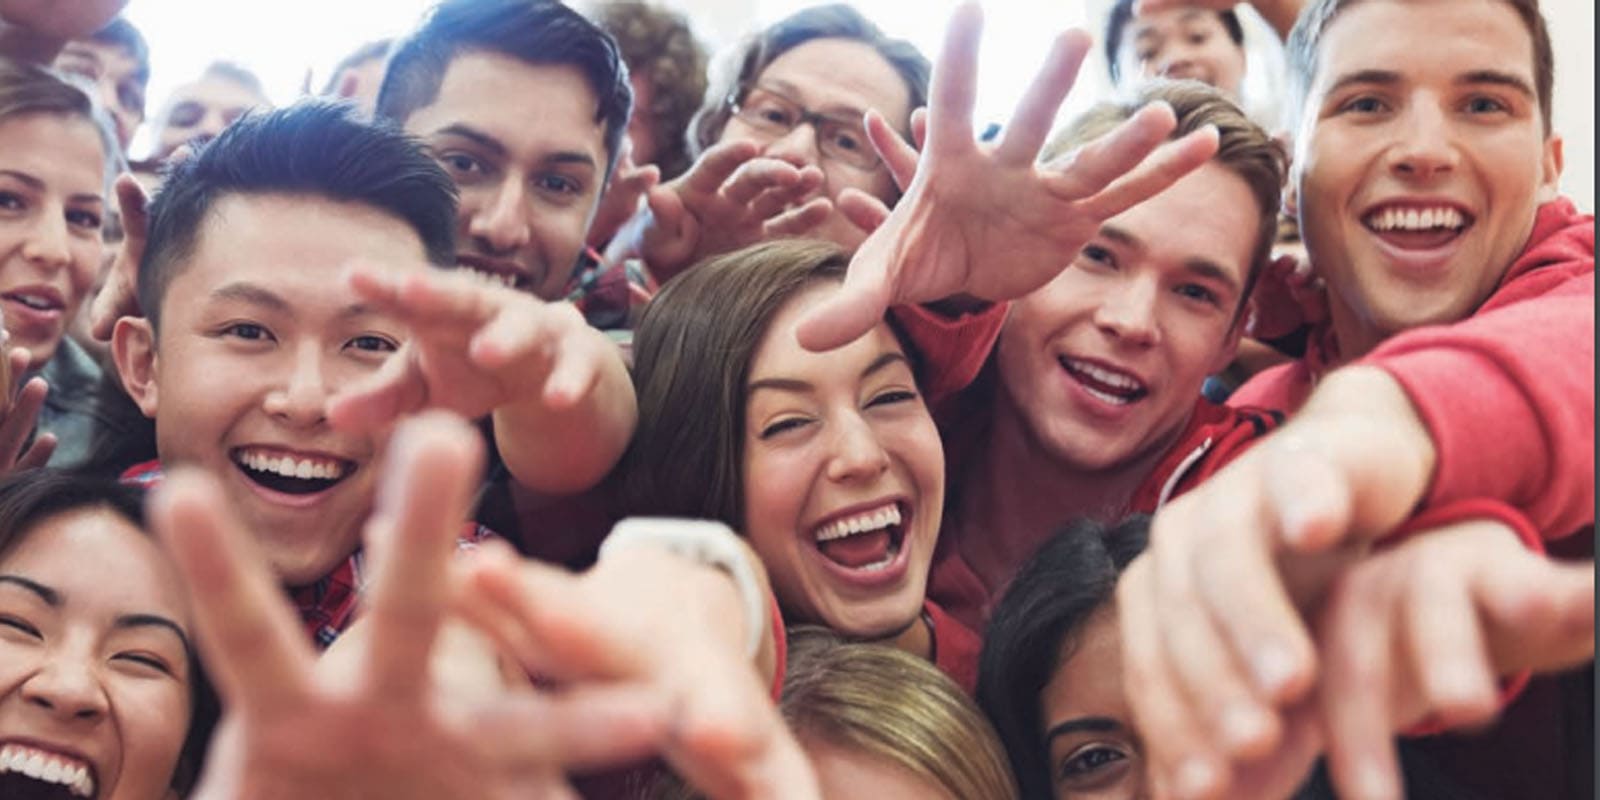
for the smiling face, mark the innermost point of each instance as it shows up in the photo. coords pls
(94, 661)
(1095, 752)
(1419, 169)
(1104, 364)
(522, 144)
(257, 332)
(843, 478)
(811, 76)
(52, 185)
(1187, 43)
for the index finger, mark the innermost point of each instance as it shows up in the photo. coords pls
(253, 645)
(423, 500)
(1031, 122)
(954, 86)
(708, 173)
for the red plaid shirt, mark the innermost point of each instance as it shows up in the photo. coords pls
(328, 605)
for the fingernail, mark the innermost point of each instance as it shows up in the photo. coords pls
(1243, 726)
(1274, 668)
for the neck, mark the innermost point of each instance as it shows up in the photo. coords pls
(916, 639)
(1356, 336)
(1017, 494)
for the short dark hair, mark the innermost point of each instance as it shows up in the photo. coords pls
(836, 21)
(314, 147)
(31, 497)
(121, 33)
(535, 31)
(1122, 14)
(1306, 38)
(1057, 590)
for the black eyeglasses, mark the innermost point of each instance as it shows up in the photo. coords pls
(838, 137)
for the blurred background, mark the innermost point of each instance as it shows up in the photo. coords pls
(293, 44)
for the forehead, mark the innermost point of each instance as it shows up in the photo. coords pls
(840, 74)
(531, 110)
(1088, 678)
(296, 245)
(62, 150)
(1209, 214)
(1164, 23)
(95, 558)
(216, 93)
(780, 353)
(1425, 40)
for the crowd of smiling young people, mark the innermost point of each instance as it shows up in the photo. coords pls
(922, 494)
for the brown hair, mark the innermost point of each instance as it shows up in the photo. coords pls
(658, 45)
(1306, 39)
(31, 89)
(837, 21)
(887, 704)
(1244, 149)
(692, 352)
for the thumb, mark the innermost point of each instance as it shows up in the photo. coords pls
(849, 313)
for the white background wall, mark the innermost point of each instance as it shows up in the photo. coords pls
(291, 42)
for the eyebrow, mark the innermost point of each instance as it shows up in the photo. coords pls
(50, 596)
(32, 182)
(155, 621)
(1498, 78)
(789, 91)
(252, 294)
(1381, 77)
(497, 148)
(1206, 268)
(1083, 724)
(791, 385)
(1122, 237)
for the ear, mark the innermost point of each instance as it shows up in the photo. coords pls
(133, 348)
(1552, 163)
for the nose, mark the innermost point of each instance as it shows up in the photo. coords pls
(501, 218)
(1424, 147)
(798, 147)
(48, 242)
(857, 454)
(65, 686)
(302, 397)
(1128, 312)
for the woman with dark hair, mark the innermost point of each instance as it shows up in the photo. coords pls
(780, 144)
(829, 464)
(101, 693)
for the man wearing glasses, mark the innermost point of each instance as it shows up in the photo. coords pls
(783, 150)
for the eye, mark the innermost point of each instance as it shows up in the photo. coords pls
(558, 184)
(1486, 105)
(1087, 761)
(783, 426)
(145, 660)
(1099, 255)
(848, 140)
(892, 397)
(1195, 291)
(462, 165)
(87, 220)
(19, 624)
(11, 201)
(130, 97)
(248, 331)
(1199, 37)
(373, 343)
(1363, 104)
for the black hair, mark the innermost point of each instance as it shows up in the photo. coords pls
(1070, 578)
(535, 31)
(1122, 14)
(31, 497)
(314, 147)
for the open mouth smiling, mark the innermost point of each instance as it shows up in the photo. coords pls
(290, 474)
(29, 773)
(1105, 384)
(868, 541)
(1417, 227)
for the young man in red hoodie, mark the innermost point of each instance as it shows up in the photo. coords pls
(1456, 375)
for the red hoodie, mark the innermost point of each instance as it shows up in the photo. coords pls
(1508, 393)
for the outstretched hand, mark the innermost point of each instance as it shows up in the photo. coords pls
(991, 222)
(292, 731)
(19, 414)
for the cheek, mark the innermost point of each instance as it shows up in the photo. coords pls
(154, 717)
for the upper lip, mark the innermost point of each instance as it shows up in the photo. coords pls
(1144, 382)
(498, 266)
(61, 750)
(45, 291)
(850, 511)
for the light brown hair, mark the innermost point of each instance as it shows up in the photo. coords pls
(659, 46)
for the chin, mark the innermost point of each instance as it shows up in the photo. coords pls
(881, 621)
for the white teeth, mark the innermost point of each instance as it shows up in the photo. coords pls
(48, 767)
(861, 523)
(289, 467)
(1113, 399)
(1107, 377)
(493, 278)
(1413, 219)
